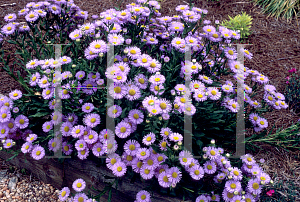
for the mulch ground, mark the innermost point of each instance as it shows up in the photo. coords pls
(275, 46)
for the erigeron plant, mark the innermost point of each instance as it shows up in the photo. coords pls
(149, 53)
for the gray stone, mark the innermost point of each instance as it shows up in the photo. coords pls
(12, 183)
(2, 174)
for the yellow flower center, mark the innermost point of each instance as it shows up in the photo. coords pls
(38, 153)
(209, 167)
(149, 139)
(123, 130)
(136, 116)
(117, 89)
(178, 42)
(146, 171)
(132, 92)
(255, 185)
(143, 197)
(97, 46)
(32, 15)
(230, 52)
(93, 120)
(21, 121)
(113, 161)
(165, 179)
(66, 148)
(144, 60)
(174, 174)
(196, 172)
(182, 100)
(232, 186)
(213, 92)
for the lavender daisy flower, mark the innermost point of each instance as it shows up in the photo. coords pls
(38, 152)
(136, 116)
(4, 129)
(98, 46)
(123, 129)
(146, 173)
(81, 197)
(32, 64)
(174, 175)
(149, 139)
(89, 54)
(196, 172)
(142, 153)
(175, 137)
(157, 79)
(262, 123)
(261, 79)
(119, 77)
(98, 149)
(8, 29)
(15, 95)
(26, 147)
(202, 198)
(48, 93)
(32, 16)
(154, 66)
(163, 179)
(230, 53)
(21, 121)
(141, 81)
(67, 148)
(80, 145)
(143, 196)
(10, 17)
(55, 9)
(77, 131)
(254, 186)
(89, 87)
(8, 143)
(47, 126)
(80, 75)
(87, 107)
(66, 128)
(232, 186)
(92, 120)
(119, 169)
(114, 111)
(210, 167)
(24, 11)
(131, 147)
(133, 93)
(91, 137)
(76, 34)
(79, 185)
(64, 194)
(54, 144)
(144, 60)
(83, 154)
(31, 138)
(247, 54)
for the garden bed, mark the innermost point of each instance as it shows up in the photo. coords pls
(50, 171)
(59, 175)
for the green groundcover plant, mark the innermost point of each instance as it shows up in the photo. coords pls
(149, 93)
(241, 23)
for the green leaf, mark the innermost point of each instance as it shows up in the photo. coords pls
(39, 114)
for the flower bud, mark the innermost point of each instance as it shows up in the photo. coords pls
(176, 147)
(236, 193)
(3, 141)
(77, 40)
(49, 42)
(243, 192)
(243, 197)
(204, 149)
(147, 121)
(212, 141)
(160, 118)
(271, 181)
(150, 115)
(230, 169)
(14, 143)
(100, 54)
(125, 51)
(204, 156)
(173, 185)
(227, 155)
(224, 162)
(262, 182)
(73, 65)
(179, 143)
(194, 60)
(229, 177)
(0, 148)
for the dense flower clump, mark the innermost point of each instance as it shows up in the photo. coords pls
(147, 76)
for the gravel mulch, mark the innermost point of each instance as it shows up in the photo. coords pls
(23, 187)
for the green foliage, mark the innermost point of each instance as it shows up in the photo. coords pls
(240, 22)
(280, 8)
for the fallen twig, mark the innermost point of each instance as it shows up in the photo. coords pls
(13, 4)
(285, 58)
